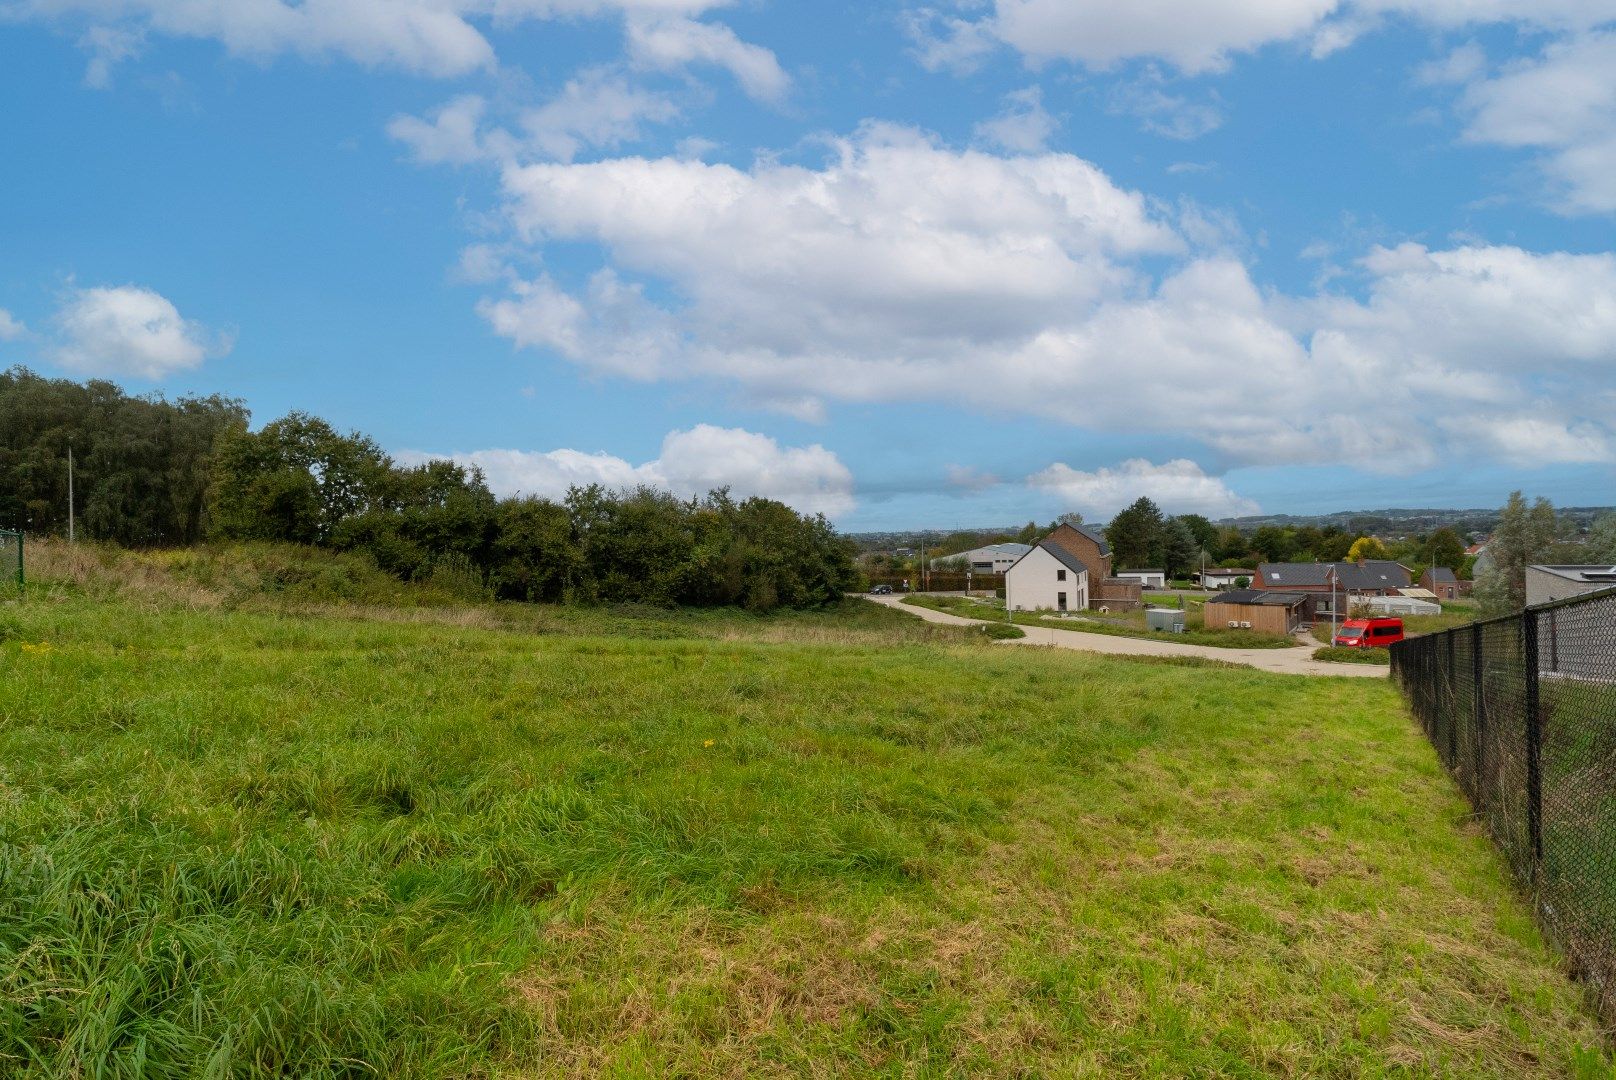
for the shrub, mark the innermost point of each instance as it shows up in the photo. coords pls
(1337, 654)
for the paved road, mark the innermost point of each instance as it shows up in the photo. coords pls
(1297, 661)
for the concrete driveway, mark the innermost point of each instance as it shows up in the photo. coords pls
(1294, 661)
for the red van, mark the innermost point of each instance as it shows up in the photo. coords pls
(1369, 633)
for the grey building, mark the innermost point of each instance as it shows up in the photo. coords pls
(1547, 583)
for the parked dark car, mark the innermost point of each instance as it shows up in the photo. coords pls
(881, 590)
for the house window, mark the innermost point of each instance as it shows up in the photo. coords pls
(1060, 599)
(1060, 575)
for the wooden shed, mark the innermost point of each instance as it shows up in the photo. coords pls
(1256, 609)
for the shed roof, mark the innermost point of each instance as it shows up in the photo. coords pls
(1442, 574)
(1258, 598)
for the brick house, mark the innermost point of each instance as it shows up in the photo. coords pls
(1328, 582)
(1088, 545)
(1444, 583)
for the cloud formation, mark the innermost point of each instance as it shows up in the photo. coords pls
(11, 328)
(1202, 36)
(131, 331)
(902, 269)
(693, 462)
(1562, 103)
(1178, 487)
(434, 38)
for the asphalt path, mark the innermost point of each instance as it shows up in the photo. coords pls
(1292, 661)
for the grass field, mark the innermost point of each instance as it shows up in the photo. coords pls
(1116, 624)
(246, 841)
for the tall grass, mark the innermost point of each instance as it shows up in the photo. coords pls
(241, 838)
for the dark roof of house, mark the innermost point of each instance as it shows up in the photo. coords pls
(1373, 574)
(1441, 573)
(1067, 559)
(1258, 597)
(1093, 534)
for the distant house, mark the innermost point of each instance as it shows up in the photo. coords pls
(1330, 582)
(1150, 579)
(1047, 578)
(1224, 577)
(1090, 547)
(990, 559)
(1444, 583)
(1547, 583)
(1255, 609)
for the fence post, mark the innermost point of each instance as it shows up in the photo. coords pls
(1554, 641)
(1480, 707)
(1534, 748)
(1453, 702)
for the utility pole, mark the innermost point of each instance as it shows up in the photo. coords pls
(70, 493)
(1335, 608)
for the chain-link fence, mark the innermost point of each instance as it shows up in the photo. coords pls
(1522, 710)
(10, 559)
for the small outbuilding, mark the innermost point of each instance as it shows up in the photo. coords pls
(1224, 577)
(1255, 609)
(1150, 579)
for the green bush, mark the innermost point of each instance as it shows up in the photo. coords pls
(1338, 654)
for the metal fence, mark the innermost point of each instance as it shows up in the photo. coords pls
(1522, 711)
(10, 559)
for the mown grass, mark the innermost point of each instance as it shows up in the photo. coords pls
(268, 842)
(1115, 624)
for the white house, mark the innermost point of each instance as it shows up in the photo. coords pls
(1150, 579)
(1224, 577)
(1047, 578)
(992, 559)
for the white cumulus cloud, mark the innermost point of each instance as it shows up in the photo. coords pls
(692, 462)
(1198, 36)
(1024, 126)
(132, 331)
(1562, 103)
(1178, 487)
(902, 269)
(595, 109)
(673, 44)
(438, 38)
(11, 327)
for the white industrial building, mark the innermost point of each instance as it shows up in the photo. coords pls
(990, 559)
(1150, 579)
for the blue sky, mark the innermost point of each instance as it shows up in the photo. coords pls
(909, 265)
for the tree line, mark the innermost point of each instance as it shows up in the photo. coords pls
(154, 472)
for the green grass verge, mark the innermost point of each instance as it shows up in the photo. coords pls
(1115, 624)
(1340, 654)
(259, 843)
